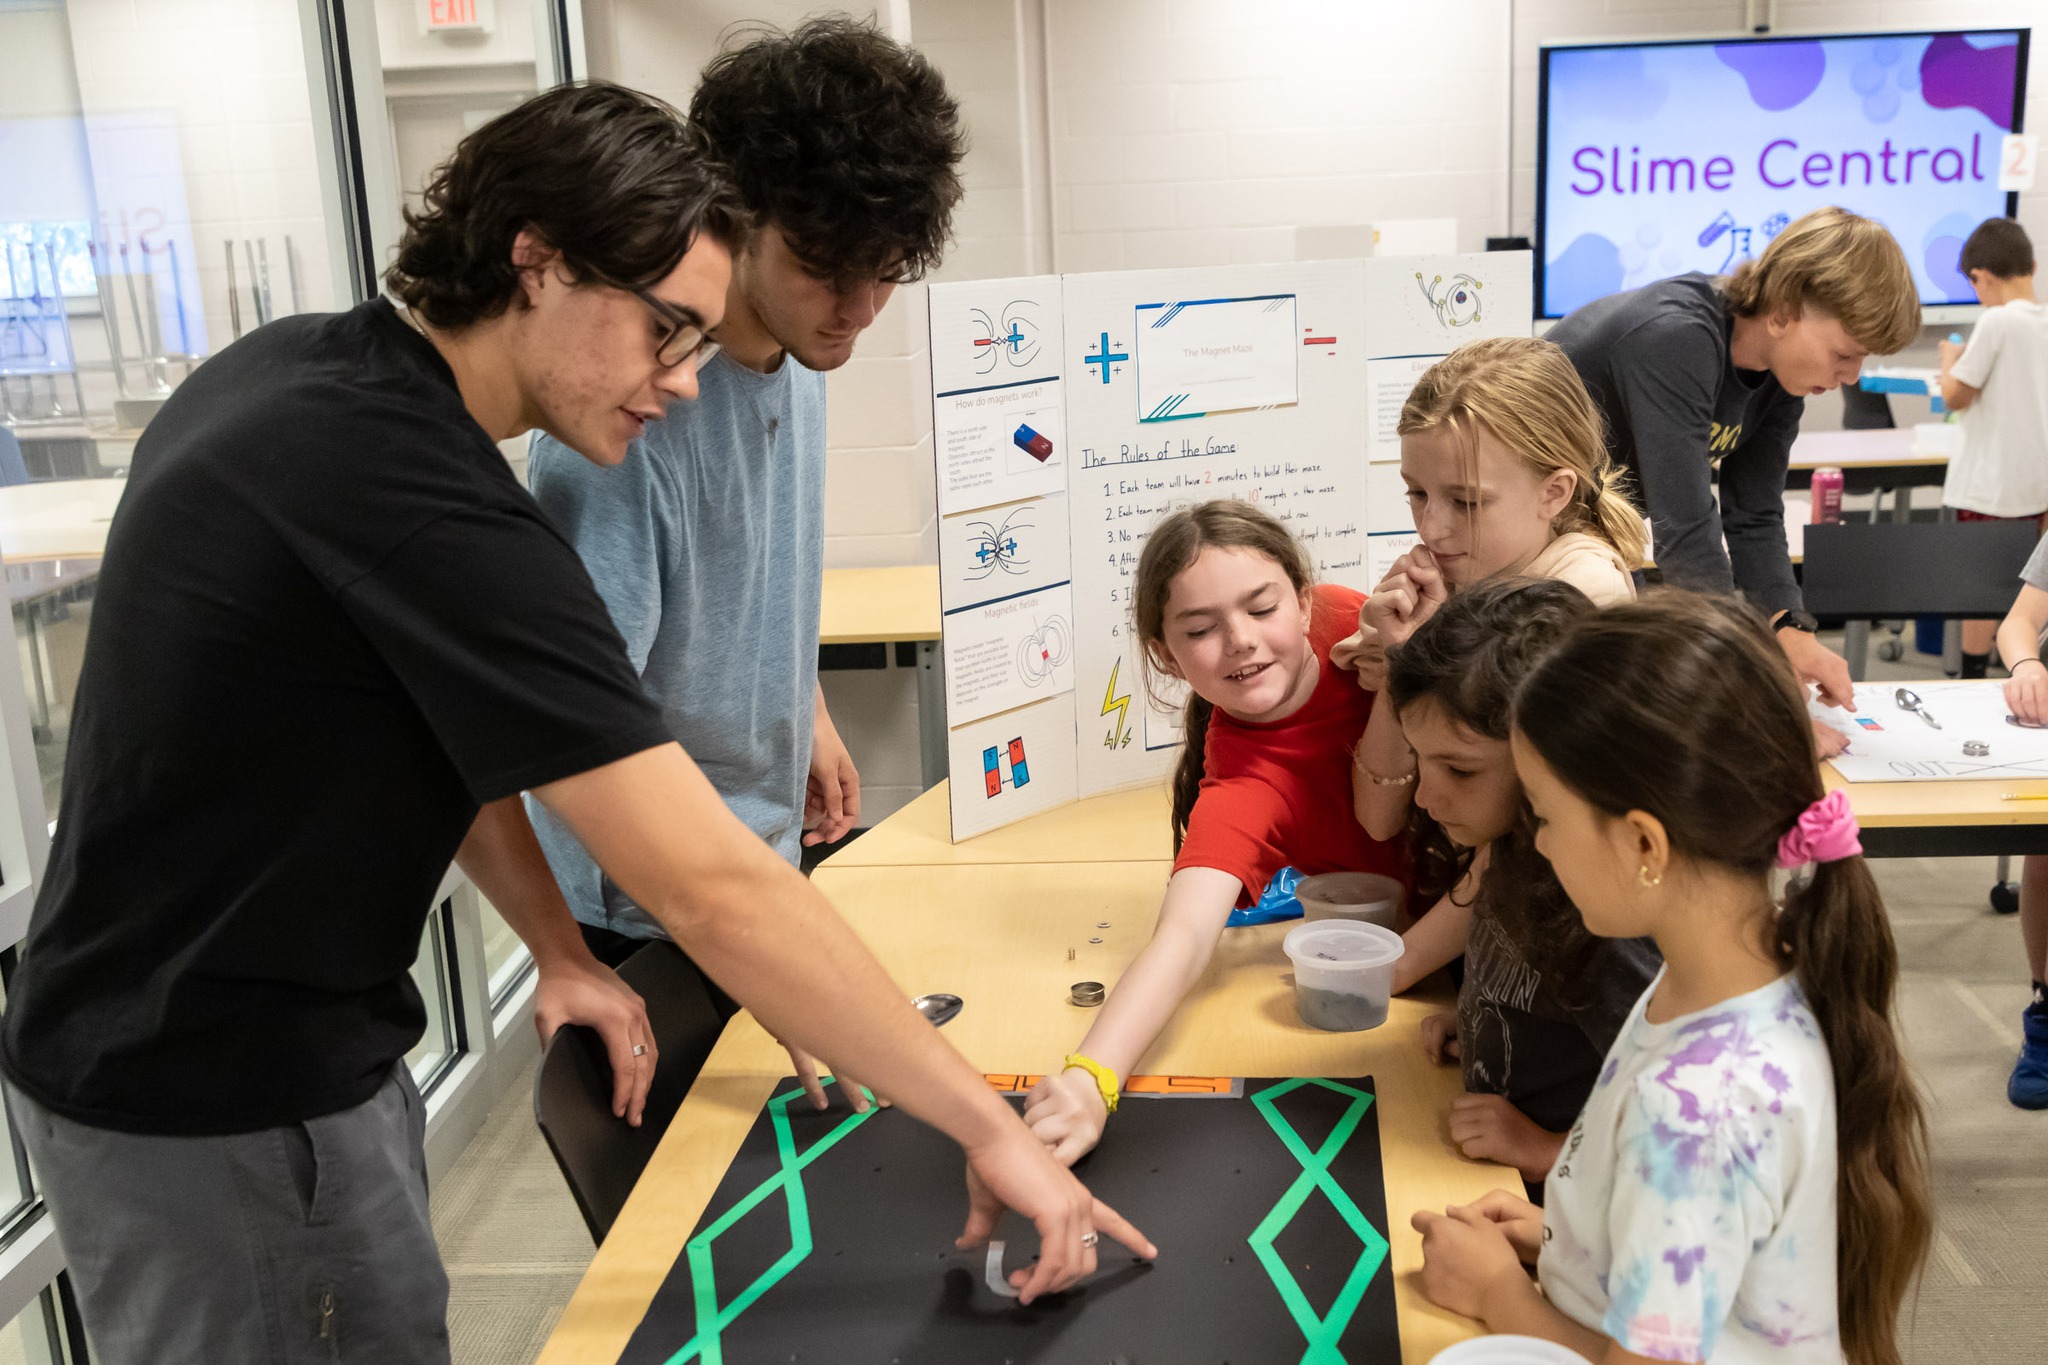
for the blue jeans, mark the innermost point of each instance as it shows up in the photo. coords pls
(308, 1243)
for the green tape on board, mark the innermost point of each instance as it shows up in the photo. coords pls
(1323, 1333)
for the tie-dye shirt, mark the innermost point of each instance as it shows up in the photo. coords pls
(1691, 1213)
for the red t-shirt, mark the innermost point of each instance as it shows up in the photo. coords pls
(1279, 794)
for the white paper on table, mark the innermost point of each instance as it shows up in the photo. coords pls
(1202, 356)
(1890, 744)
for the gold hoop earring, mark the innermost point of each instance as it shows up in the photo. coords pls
(1643, 876)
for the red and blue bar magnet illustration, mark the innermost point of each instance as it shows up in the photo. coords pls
(991, 767)
(1033, 443)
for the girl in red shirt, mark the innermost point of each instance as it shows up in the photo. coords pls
(1226, 602)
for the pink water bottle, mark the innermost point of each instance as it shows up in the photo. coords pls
(1827, 495)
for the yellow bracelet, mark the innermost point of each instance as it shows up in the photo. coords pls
(1105, 1079)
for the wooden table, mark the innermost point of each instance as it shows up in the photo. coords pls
(895, 605)
(998, 937)
(1947, 819)
(62, 520)
(1126, 826)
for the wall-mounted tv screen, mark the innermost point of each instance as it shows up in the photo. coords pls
(1654, 159)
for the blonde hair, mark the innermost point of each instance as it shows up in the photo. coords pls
(1527, 394)
(1173, 546)
(1846, 266)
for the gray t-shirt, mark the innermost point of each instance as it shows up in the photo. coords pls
(708, 547)
(1517, 1035)
(2035, 574)
(1657, 363)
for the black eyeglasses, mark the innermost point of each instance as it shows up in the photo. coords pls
(686, 338)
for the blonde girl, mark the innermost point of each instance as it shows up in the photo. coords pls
(1748, 1180)
(1225, 601)
(1507, 474)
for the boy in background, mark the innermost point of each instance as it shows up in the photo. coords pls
(2001, 380)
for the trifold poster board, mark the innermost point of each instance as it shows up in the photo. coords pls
(1071, 412)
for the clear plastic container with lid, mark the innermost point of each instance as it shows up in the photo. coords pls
(1343, 973)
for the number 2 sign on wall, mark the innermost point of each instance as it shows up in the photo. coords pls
(2017, 158)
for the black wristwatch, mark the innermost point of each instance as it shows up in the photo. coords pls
(1797, 619)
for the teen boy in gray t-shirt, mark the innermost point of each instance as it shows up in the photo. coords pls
(708, 546)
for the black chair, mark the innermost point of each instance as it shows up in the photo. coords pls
(1865, 410)
(601, 1156)
(1863, 572)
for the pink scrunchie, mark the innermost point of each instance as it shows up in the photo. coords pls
(1825, 833)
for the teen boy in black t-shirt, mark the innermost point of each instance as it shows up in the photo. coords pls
(334, 641)
(1697, 376)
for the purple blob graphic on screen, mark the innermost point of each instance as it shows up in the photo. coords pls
(1588, 269)
(1955, 74)
(1780, 75)
(1615, 76)
(1940, 252)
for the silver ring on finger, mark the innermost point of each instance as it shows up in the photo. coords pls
(639, 1049)
(1089, 1239)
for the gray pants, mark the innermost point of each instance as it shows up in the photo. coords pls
(306, 1243)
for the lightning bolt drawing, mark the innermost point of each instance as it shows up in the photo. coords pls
(1115, 705)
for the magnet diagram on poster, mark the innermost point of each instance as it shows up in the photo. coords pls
(1279, 384)
(1010, 765)
(1005, 570)
(997, 428)
(1420, 313)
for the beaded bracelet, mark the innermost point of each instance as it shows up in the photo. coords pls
(1358, 762)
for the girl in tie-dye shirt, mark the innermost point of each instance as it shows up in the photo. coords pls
(1748, 1180)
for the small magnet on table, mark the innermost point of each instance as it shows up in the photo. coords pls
(1976, 748)
(1087, 994)
(1095, 940)
(1103, 925)
(1070, 954)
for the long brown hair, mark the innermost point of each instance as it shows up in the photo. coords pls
(1173, 545)
(1683, 707)
(1468, 659)
(1527, 394)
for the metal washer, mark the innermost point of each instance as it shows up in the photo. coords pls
(1087, 994)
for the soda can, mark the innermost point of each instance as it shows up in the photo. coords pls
(1827, 496)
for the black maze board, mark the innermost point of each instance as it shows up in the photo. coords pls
(831, 1240)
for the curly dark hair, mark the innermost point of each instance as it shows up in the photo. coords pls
(1469, 658)
(611, 178)
(844, 139)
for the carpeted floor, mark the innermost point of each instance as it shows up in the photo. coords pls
(515, 1246)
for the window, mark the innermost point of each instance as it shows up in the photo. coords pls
(158, 199)
(443, 1043)
(37, 1336)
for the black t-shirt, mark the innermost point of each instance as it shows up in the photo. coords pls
(329, 626)
(1517, 1035)
(1656, 361)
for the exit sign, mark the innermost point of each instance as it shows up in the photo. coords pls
(457, 16)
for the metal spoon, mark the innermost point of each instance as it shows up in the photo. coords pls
(939, 1008)
(1909, 701)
